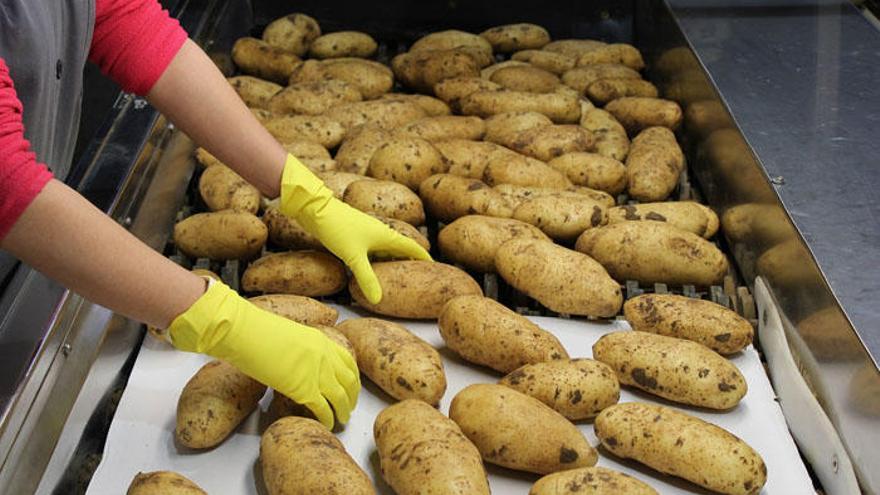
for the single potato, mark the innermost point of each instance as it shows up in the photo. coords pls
(293, 33)
(523, 171)
(610, 137)
(592, 170)
(287, 233)
(371, 78)
(387, 199)
(572, 47)
(512, 37)
(517, 195)
(468, 158)
(563, 218)
(504, 128)
(302, 273)
(406, 230)
(223, 189)
(515, 431)
(304, 149)
(605, 90)
(326, 131)
(300, 309)
(580, 78)
(525, 78)
(313, 98)
(453, 89)
(260, 59)
(448, 197)
(473, 240)
(552, 141)
(422, 70)
(445, 127)
(358, 147)
(254, 92)
(679, 444)
(222, 235)
(343, 44)
(654, 164)
(636, 113)
(615, 53)
(433, 107)
(163, 483)
(590, 481)
(406, 160)
(557, 63)
(451, 39)
(387, 114)
(685, 215)
(560, 108)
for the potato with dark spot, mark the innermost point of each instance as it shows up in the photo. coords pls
(473, 240)
(223, 189)
(557, 63)
(654, 164)
(560, 108)
(357, 149)
(592, 170)
(387, 114)
(163, 483)
(548, 142)
(610, 137)
(406, 160)
(484, 332)
(448, 197)
(704, 322)
(386, 199)
(504, 128)
(562, 217)
(515, 431)
(450, 39)
(522, 170)
(293, 33)
(260, 59)
(615, 53)
(685, 215)
(636, 113)
(675, 369)
(512, 37)
(526, 78)
(371, 78)
(572, 47)
(416, 289)
(580, 78)
(298, 456)
(213, 403)
(590, 481)
(254, 92)
(563, 280)
(422, 70)
(221, 235)
(313, 98)
(401, 364)
(433, 107)
(422, 451)
(517, 195)
(302, 273)
(326, 131)
(681, 445)
(300, 309)
(287, 233)
(453, 89)
(343, 44)
(605, 90)
(468, 158)
(407, 230)
(654, 252)
(444, 128)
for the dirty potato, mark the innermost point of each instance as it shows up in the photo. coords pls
(451, 39)
(473, 240)
(562, 217)
(313, 98)
(573, 47)
(448, 197)
(512, 37)
(610, 137)
(406, 160)
(526, 78)
(223, 189)
(300, 309)
(540, 268)
(580, 78)
(523, 171)
(517, 195)
(444, 128)
(401, 364)
(636, 113)
(484, 332)
(422, 70)
(679, 444)
(557, 63)
(560, 108)
(163, 483)
(293, 33)
(605, 90)
(453, 89)
(548, 142)
(254, 92)
(654, 164)
(371, 78)
(343, 44)
(615, 53)
(317, 128)
(504, 128)
(302, 273)
(388, 114)
(221, 235)
(387, 199)
(686, 215)
(592, 170)
(672, 368)
(260, 59)
(433, 107)
(287, 233)
(590, 481)
(705, 322)
(357, 149)
(468, 158)
(513, 430)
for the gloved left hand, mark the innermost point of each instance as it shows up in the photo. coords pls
(348, 233)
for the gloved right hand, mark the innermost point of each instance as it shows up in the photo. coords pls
(295, 360)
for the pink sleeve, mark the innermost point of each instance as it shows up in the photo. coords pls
(134, 42)
(21, 178)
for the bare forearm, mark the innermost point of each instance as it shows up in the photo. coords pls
(197, 98)
(65, 237)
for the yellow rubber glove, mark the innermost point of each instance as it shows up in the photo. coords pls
(348, 233)
(295, 360)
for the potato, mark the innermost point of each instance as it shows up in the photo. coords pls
(213, 403)
(314, 98)
(704, 322)
(300, 309)
(254, 92)
(605, 90)
(321, 129)
(260, 59)
(609, 136)
(788, 264)
(472, 240)
(548, 142)
(523, 171)
(615, 53)
(864, 391)
(450, 39)
(287, 233)
(557, 63)
(163, 483)
(592, 170)
(574, 48)
(304, 149)
(675, 369)
(822, 332)
(343, 44)
(653, 252)
(371, 78)
(563, 218)
(293, 33)
(540, 268)
(469, 158)
(484, 332)
(298, 456)
(513, 430)
(444, 128)
(401, 364)
(407, 230)
(562, 109)
(504, 128)
(223, 189)
(590, 481)
(319, 165)
(636, 113)
(406, 160)
(358, 147)
(525, 78)
(448, 197)
(388, 114)
(303, 273)
(517, 195)
(512, 37)
(453, 89)
(676, 443)
(415, 289)
(387, 199)
(445, 460)
(222, 235)
(685, 215)
(422, 70)
(575, 388)
(654, 165)
(706, 116)
(580, 78)
(433, 107)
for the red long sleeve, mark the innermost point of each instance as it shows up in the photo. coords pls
(21, 177)
(134, 41)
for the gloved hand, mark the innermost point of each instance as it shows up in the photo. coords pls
(295, 360)
(348, 233)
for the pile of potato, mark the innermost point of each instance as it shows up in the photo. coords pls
(523, 161)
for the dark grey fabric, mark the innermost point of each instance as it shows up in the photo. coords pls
(45, 44)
